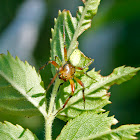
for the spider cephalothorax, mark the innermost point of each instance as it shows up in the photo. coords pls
(66, 72)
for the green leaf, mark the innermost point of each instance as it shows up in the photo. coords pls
(73, 28)
(57, 42)
(90, 126)
(68, 29)
(81, 59)
(96, 87)
(124, 132)
(18, 83)
(96, 91)
(85, 125)
(84, 18)
(9, 131)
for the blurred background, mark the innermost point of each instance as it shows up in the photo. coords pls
(113, 41)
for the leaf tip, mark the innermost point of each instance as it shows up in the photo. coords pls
(17, 59)
(55, 20)
(108, 94)
(109, 102)
(8, 53)
(59, 12)
(115, 121)
(50, 40)
(52, 30)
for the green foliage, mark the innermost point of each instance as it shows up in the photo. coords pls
(73, 28)
(9, 131)
(96, 126)
(18, 82)
(85, 125)
(96, 91)
(124, 132)
(22, 91)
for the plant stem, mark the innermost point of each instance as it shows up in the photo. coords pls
(48, 127)
(50, 117)
(54, 92)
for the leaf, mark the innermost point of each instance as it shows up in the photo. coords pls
(124, 132)
(18, 83)
(89, 126)
(84, 18)
(73, 28)
(96, 91)
(98, 127)
(96, 87)
(9, 131)
(81, 59)
(85, 125)
(57, 42)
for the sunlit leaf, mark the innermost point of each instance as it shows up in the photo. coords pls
(18, 83)
(124, 132)
(89, 126)
(96, 91)
(73, 27)
(85, 125)
(9, 131)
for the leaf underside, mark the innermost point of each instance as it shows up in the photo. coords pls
(9, 131)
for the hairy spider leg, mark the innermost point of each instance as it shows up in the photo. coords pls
(72, 89)
(64, 38)
(83, 90)
(80, 68)
(52, 81)
(81, 72)
(49, 62)
(57, 66)
(88, 63)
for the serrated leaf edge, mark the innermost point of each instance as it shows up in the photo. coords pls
(30, 99)
(114, 131)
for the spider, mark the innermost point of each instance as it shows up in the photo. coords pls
(66, 72)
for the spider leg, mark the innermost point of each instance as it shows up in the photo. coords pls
(49, 62)
(64, 38)
(52, 81)
(81, 83)
(81, 68)
(88, 63)
(72, 92)
(57, 66)
(65, 53)
(81, 72)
